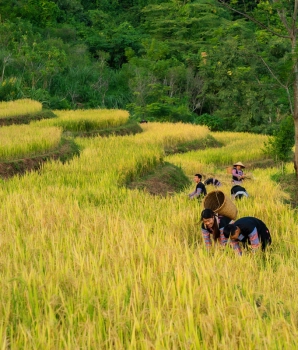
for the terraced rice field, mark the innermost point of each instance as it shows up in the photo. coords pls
(87, 263)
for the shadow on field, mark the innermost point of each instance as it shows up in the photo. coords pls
(289, 184)
(66, 150)
(27, 118)
(165, 180)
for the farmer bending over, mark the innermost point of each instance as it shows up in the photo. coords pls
(248, 231)
(212, 227)
(238, 192)
(212, 181)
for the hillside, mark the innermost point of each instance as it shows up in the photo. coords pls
(177, 61)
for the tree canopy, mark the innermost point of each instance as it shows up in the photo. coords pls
(173, 60)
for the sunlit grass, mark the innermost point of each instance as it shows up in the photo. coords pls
(86, 120)
(24, 141)
(168, 134)
(242, 147)
(19, 107)
(87, 263)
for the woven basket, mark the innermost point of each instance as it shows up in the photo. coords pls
(229, 170)
(221, 204)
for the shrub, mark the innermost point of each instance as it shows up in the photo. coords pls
(280, 145)
(213, 123)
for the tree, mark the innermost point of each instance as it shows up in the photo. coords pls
(281, 16)
(279, 147)
(236, 86)
(41, 61)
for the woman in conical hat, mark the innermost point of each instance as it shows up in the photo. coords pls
(237, 173)
(238, 164)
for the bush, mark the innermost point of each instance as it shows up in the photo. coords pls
(162, 112)
(279, 147)
(10, 89)
(214, 123)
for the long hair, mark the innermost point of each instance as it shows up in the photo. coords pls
(208, 214)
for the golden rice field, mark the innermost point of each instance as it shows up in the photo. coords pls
(19, 107)
(244, 146)
(86, 120)
(45, 135)
(23, 140)
(86, 263)
(168, 134)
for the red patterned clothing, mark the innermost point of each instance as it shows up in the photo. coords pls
(207, 233)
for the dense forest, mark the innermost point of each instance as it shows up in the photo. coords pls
(169, 60)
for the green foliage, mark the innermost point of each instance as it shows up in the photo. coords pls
(39, 12)
(162, 59)
(214, 123)
(238, 86)
(166, 177)
(166, 111)
(280, 146)
(10, 89)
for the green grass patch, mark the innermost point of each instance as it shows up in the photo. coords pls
(208, 142)
(165, 180)
(289, 184)
(129, 128)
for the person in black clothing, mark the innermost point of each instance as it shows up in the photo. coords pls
(200, 190)
(249, 231)
(238, 192)
(212, 181)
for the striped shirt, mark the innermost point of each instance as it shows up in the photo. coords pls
(207, 233)
(254, 233)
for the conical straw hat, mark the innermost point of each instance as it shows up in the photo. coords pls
(239, 163)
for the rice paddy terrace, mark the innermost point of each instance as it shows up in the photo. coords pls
(94, 257)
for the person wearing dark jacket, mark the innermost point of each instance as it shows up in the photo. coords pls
(200, 190)
(212, 181)
(238, 192)
(249, 231)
